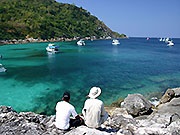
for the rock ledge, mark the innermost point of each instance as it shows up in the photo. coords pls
(133, 118)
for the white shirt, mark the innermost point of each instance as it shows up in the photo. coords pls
(94, 113)
(63, 112)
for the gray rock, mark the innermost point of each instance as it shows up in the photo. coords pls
(136, 105)
(163, 121)
(171, 107)
(83, 130)
(6, 109)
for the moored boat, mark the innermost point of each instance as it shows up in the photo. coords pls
(2, 68)
(115, 42)
(81, 42)
(52, 48)
(170, 43)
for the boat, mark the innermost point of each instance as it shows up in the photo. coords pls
(167, 40)
(170, 43)
(52, 48)
(115, 42)
(2, 69)
(81, 42)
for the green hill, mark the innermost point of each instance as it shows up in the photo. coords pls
(47, 19)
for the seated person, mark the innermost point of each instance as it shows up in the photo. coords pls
(63, 112)
(93, 111)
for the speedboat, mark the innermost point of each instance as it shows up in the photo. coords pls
(115, 42)
(2, 69)
(81, 42)
(170, 43)
(52, 48)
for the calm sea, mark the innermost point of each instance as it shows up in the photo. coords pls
(36, 80)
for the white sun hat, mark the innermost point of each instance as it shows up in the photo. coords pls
(94, 92)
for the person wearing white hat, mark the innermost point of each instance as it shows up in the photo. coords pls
(93, 110)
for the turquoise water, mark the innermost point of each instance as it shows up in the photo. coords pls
(36, 80)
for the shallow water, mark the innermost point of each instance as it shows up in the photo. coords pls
(36, 80)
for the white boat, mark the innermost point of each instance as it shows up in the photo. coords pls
(81, 42)
(115, 42)
(2, 69)
(167, 40)
(52, 48)
(160, 39)
(170, 43)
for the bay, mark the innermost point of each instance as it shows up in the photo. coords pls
(36, 80)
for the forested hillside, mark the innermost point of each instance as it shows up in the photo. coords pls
(47, 19)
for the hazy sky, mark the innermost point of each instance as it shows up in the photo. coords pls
(137, 18)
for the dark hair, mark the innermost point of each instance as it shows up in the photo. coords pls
(66, 96)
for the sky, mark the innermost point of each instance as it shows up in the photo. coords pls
(136, 18)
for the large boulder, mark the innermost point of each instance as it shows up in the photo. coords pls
(136, 105)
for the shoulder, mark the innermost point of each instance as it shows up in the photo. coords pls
(59, 103)
(94, 101)
(63, 103)
(99, 102)
(70, 106)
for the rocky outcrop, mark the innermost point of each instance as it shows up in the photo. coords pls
(164, 120)
(136, 105)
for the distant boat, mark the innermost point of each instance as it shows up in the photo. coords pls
(167, 40)
(160, 39)
(170, 43)
(147, 38)
(81, 42)
(52, 48)
(2, 69)
(115, 42)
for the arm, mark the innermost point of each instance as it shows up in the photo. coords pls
(84, 109)
(74, 113)
(104, 114)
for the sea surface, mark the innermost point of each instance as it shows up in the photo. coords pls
(35, 80)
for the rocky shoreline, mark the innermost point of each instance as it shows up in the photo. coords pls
(136, 116)
(60, 39)
(32, 40)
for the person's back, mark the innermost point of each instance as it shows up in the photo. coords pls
(63, 113)
(93, 111)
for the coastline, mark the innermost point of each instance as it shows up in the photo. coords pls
(60, 39)
(135, 116)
